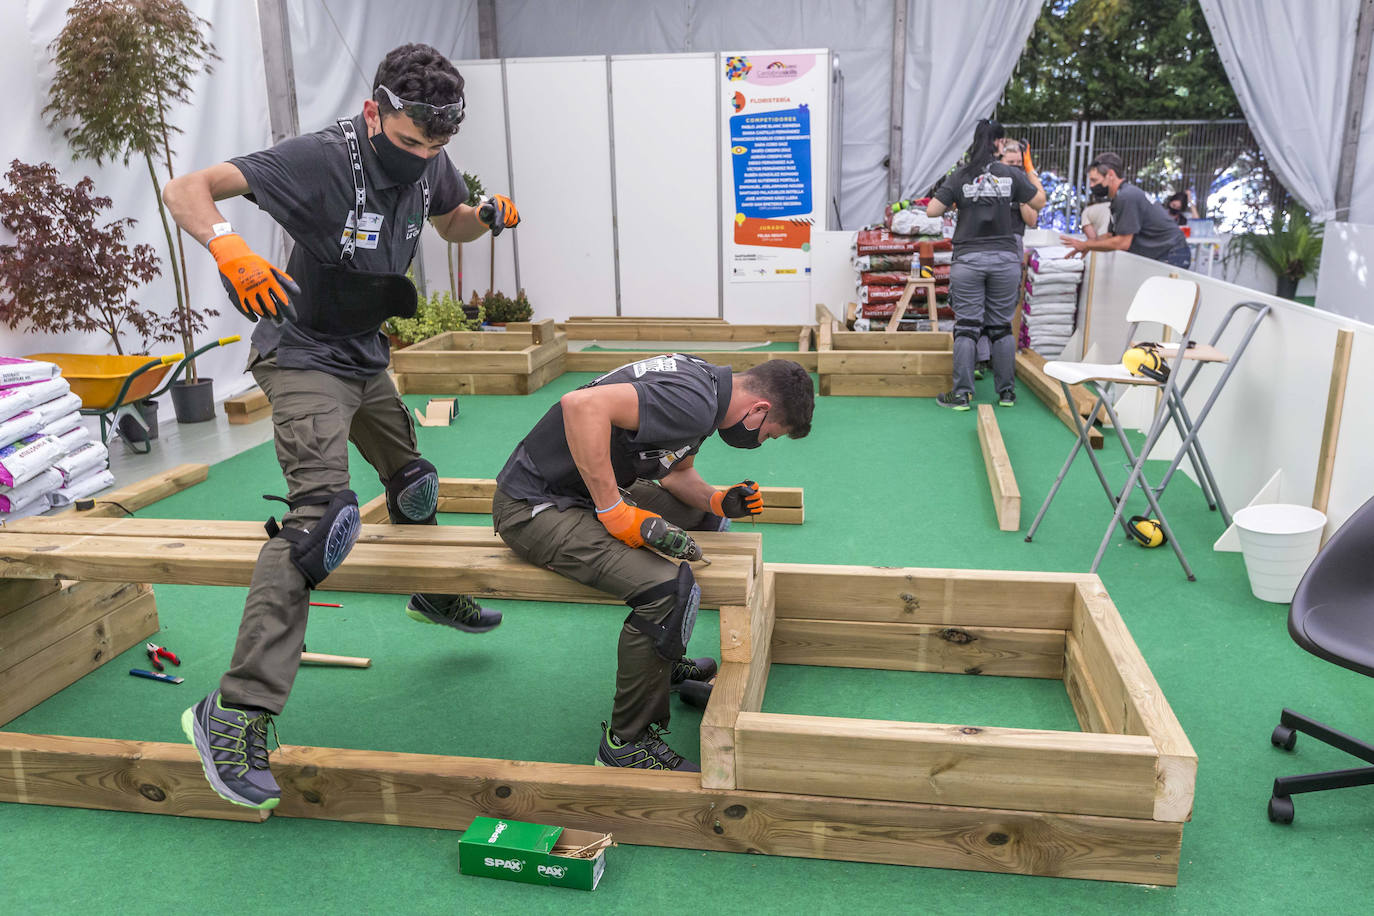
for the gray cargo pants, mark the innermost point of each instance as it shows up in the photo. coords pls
(983, 288)
(573, 543)
(314, 417)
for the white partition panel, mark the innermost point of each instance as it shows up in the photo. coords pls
(479, 148)
(1271, 414)
(560, 146)
(666, 176)
(832, 273)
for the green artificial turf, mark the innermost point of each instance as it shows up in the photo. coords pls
(890, 482)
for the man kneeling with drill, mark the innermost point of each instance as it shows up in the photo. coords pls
(575, 497)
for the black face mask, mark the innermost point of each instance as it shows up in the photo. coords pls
(1099, 191)
(399, 165)
(741, 436)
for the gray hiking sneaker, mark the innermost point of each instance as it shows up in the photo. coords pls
(232, 745)
(457, 611)
(648, 752)
(956, 400)
(1007, 398)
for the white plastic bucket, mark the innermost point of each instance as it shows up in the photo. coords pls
(1278, 541)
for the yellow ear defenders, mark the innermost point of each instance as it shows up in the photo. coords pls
(1147, 532)
(1143, 360)
(927, 273)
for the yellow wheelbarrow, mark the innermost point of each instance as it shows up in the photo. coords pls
(110, 387)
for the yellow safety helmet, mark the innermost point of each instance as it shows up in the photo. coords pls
(1147, 532)
(1143, 360)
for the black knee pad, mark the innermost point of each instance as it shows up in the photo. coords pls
(317, 551)
(670, 636)
(412, 494)
(970, 330)
(996, 332)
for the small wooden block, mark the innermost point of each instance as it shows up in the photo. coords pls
(438, 412)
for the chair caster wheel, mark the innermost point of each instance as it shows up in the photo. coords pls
(1281, 809)
(1283, 737)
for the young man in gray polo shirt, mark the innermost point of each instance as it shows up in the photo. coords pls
(354, 198)
(576, 493)
(1138, 224)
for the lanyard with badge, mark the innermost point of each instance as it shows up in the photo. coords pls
(353, 301)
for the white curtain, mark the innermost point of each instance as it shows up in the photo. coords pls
(336, 46)
(1289, 64)
(227, 116)
(959, 57)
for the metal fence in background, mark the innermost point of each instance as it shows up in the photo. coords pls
(1215, 161)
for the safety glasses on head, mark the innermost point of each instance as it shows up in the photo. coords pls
(425, 113)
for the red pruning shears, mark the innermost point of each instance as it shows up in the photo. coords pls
(156, 652)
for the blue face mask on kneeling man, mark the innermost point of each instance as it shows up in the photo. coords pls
(741, 436)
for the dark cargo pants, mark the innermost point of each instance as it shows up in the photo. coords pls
(314, 417)
(983, 289)
(573, 543)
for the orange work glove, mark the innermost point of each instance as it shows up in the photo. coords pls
(623, 521)
(255, 287)
(1026, 160)
(498, 212)
(743, 499)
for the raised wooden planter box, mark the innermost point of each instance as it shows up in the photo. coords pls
(522, 359)
(917, 364)
(703, 330)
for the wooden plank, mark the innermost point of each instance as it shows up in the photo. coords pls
(31, 629)
(1048, 391)
(374, 512)
(251, 401)
(463, 362)
(825, 329)
(452, 341)
(949, 597)
(641, 319)
(887, 362)
(18, 594)
(30, 682)
(111, 775)
(1006, 495)
(241, 419)
(717, 729)
(903, 340)
(804, 338)
(472, 504)
(1002, 651)
(1331, 428)
(638, 806)
(739, 360)
(887, 386)
(1088, 708)
(666, 330)
(1101, 633)
(1067, 772)
(546, 373)
(451, 383)
(145, 492)
(389, 561)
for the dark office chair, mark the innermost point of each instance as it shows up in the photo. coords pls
(1333, 618)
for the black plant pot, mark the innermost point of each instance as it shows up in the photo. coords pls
(147, 409)
(1287, 287)
(194, 401)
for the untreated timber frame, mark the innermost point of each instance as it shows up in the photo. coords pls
(649, 331)
(781, 505)
(883, 364)
(520, 360)
(1106, 803)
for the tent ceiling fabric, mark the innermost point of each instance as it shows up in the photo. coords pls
(1297, 108)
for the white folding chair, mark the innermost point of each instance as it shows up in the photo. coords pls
(1160, 300)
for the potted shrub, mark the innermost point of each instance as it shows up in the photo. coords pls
(435, 314)
(65, 272)
(501, 309)
(121, 66)
(1292, 248)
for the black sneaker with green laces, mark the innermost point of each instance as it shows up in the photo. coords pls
(1007, 398)
(457, 611)
(648, 752)
(955, 400)
(692, 669)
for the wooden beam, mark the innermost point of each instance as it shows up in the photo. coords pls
(1068, 772)
(248, 407)
(1006, 496)
(387, 559)
(739, 360)
(887, 362)
(638, 806)
(123, 500)
(1119, 672)
(903, 340)
(885, 386)
(717, 730)
(947, 597)
(1331, 428)
(29, 682)
(1028, 370)
(804, 338)
(1002, 651)
(29, 630)
(667, 330)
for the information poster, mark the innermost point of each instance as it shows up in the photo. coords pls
(771, 101)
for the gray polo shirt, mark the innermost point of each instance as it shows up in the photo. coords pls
(682, 400)
(306, 184)
(1134, 214)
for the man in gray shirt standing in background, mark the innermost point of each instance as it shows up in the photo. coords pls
(1138, 224)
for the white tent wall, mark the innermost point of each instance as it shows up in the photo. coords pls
(1271, 414)
(1290, 66)
(227, 116)
(1343, 280)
